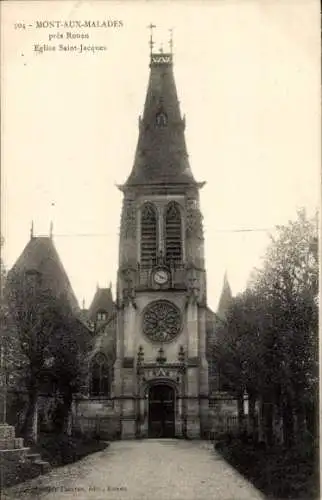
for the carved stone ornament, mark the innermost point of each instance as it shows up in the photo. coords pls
(128, 276)
(193, 287)
(173, 371)
(194, 220)
(161, 321)
(128, 222)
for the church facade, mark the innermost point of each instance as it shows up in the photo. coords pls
(161, 369)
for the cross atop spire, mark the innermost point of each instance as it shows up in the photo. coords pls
(171, 40)
(151, 42)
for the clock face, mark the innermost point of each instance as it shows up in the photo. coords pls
(161, 277)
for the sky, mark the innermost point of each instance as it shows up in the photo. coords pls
(248, 79)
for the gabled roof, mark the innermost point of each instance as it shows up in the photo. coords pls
(40, 256)
(161, 155)
(102, 302)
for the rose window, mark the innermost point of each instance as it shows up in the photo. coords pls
(161, 321)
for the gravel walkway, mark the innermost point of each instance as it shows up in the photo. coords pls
(151, 469)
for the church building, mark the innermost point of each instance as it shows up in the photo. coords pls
(148, 372)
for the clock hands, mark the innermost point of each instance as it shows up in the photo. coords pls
(161, 276)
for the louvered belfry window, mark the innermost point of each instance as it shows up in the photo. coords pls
(173, 234)
(148, 234)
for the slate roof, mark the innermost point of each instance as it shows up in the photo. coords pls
(40, 255)
(161, 154)
(102, 301)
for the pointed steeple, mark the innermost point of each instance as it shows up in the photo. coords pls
(161, 154)
(225, 299)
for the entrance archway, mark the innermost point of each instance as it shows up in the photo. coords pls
(161, 411)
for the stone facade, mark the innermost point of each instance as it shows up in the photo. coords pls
(161, 326)
(184, 365)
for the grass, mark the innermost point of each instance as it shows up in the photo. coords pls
(278, 472)
(59, 449)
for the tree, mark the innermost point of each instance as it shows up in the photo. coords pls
(12, 360)
(288, 285)
(3, 335)
(269, 344)
(50, 339)
(237, 351)
(70, 344)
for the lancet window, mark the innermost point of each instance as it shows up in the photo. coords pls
(100, 380)
(148, 234)
(173, 234)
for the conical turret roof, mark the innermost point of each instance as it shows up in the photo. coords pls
(40, 256)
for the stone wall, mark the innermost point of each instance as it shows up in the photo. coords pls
(222, 415)
(97, 417)
(104, 417)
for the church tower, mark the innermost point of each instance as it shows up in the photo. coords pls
(161, 371)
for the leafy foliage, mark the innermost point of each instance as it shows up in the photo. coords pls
(52, 340)
(268, 345)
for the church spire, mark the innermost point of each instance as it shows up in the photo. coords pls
(161, 155)
(225, 298)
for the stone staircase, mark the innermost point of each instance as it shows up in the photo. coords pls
(35, 458)
(14, 455)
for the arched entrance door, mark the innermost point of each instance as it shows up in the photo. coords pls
(161, 411)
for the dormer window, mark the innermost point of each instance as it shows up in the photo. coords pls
(102, 316)
(161, 119)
